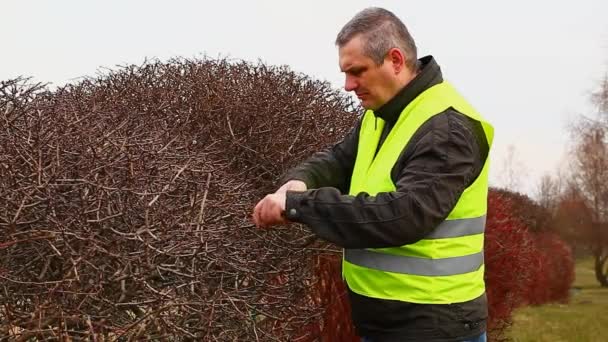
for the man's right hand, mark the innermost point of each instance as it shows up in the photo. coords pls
(268, 211)
(292, 185)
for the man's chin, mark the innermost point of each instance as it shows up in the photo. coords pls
(368, 106)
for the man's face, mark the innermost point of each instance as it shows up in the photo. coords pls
(373, 84)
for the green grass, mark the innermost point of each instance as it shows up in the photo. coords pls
(585, 318)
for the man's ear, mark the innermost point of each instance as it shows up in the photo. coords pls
(397, 59)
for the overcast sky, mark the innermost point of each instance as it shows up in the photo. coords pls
(528, 66)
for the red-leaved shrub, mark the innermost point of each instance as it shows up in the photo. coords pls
(557, 270)
(330, 292)
(511, 264)
(522, 267)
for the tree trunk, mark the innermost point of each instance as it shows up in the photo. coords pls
(601, 269)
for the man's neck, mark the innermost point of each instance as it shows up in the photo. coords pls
(427, 75)
(406, 77)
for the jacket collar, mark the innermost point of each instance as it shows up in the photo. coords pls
(429, 75)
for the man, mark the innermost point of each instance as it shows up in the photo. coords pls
(405, 192)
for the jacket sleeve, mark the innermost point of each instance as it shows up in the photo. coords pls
(440, 161)
(330, 168)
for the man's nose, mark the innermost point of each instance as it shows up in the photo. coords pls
(350, 83)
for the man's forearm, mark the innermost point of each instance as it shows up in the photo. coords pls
(386, 220)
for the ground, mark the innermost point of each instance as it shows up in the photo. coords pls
(584, 318)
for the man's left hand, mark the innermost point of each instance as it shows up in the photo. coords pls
(269, 211)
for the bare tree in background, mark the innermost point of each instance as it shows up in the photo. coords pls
(600, 98)
(547, 192)
(572, 216)
(590, 159)
(513, 170)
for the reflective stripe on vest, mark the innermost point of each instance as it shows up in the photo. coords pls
(425, 266)
(409, 264)
(414, 265)
(458, 227)
(447, 265)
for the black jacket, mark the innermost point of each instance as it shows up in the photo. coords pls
(443, 158)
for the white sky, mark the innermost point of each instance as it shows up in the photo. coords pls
(528, 66)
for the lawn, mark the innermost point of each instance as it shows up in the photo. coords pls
(585, 318)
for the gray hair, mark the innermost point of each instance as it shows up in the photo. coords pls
(381, 31)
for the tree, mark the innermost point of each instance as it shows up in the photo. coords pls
(573, 217)
(547, 192)
(600, 98)
(512, 170)
(590, 159)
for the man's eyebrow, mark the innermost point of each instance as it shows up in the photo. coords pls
(352, 68)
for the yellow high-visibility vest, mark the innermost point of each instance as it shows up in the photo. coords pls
(446, 266)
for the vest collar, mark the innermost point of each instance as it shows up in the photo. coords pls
(429, 75)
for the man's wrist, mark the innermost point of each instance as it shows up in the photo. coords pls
(293, 200)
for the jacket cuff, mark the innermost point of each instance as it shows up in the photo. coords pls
(293, 200)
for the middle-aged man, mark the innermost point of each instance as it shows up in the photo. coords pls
(405, 192)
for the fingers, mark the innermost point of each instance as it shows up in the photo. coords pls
(256, 213)
(260, 213)
(267, 212)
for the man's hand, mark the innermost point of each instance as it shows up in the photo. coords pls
(292, 185)
(269, 211)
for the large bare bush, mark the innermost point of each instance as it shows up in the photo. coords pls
(125, 202)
